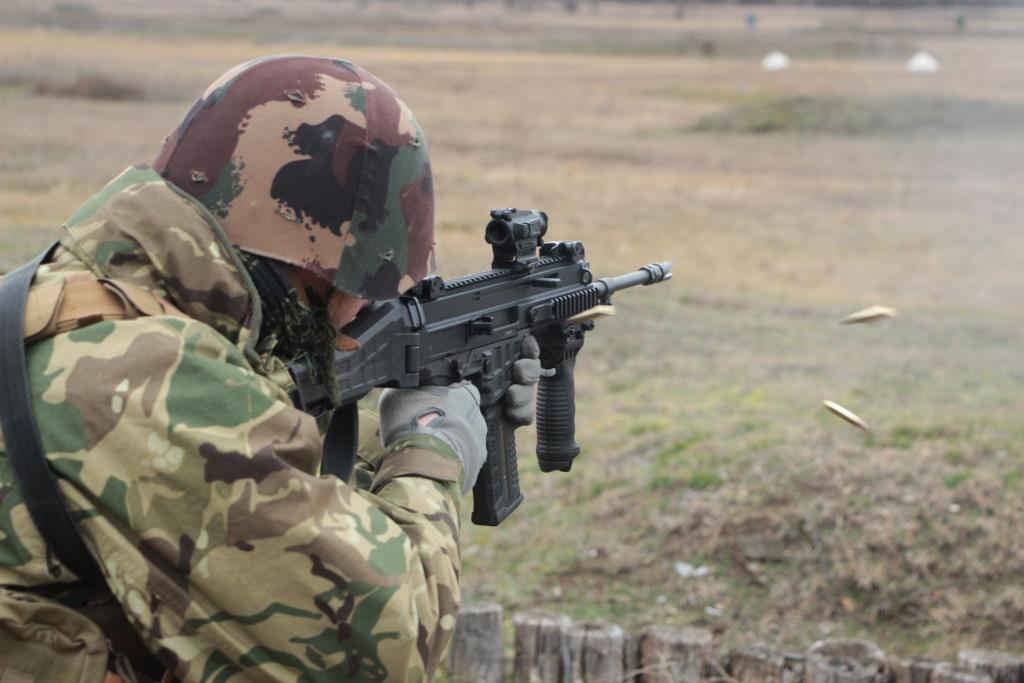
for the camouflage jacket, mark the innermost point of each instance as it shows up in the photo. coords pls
(195, 479)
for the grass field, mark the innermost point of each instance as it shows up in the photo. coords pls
(785, 200)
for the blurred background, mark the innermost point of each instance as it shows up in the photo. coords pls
(713, 488)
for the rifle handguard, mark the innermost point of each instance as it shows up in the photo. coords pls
(556, 418)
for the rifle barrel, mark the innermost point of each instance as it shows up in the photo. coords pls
(647, 275)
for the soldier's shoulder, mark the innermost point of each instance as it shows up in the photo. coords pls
(144, 341)
(94, 374)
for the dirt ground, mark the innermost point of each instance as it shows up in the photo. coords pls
(785, 199)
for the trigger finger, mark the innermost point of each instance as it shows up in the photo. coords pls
(526, 371)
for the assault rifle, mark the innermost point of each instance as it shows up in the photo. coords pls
(473, 328)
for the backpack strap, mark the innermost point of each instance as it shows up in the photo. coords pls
(341, 441)
(32, 473)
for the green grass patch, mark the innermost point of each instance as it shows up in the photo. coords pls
(902, 437)
(622, 386)
(750, 425)
(642, 427)
(764, 442)
(703, 479)
(697, 479)
(954, 456)
(697, 94)
(862, 501)
(905, 436)
(956, 480)
(662, 482)
(670, 454)
(599, 487)
(854, 116)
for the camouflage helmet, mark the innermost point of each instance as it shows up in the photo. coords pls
(314, 162)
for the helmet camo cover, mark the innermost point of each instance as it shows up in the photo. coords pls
(314, 162)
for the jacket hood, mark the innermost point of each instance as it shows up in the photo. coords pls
(142, 229)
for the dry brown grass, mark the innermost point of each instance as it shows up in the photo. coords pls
(699, 406)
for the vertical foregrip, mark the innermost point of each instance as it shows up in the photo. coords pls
(556, 418)
(496, 492)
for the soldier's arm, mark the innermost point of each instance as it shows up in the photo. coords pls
(227, 552)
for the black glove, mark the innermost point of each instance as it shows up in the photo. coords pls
(452, 414)
(520, 401)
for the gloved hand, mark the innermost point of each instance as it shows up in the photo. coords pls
(520, 404)
(452, 414)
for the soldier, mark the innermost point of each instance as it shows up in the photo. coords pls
(294, 192)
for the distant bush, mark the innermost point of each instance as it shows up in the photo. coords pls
(841, 115)
(74, 15)
(14, 81)
(91, 87)
(75, 9)
(266, 12)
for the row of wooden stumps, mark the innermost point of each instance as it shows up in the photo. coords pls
(551, 648)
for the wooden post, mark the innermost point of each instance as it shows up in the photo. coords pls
(845, 661)
(631, 659)
(758, 664)
(595, 652)
(673, 655)
(475, 655)
(541, 652)
(911, 670)
(1002, 666)
(947, 673)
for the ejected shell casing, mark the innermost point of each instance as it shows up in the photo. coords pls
(591, 314)
(847, 415)
(870, 314)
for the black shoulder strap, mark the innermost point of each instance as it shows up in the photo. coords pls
(341, 441)
(32, 473)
